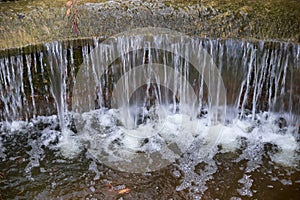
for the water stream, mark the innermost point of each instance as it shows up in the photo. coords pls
(151, 116)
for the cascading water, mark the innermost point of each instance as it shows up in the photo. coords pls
(151, 104)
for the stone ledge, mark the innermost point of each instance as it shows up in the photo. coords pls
(24, 23)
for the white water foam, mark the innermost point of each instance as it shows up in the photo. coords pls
(102, 131)
(69, 144)
(109, 141)
(103, 134)
(266, 131)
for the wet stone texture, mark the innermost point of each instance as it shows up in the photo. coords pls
(34, 22)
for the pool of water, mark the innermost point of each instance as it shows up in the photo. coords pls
(250, 160)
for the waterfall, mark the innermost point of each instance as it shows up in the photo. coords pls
(166, 70)
(255, 75)
(186, 109)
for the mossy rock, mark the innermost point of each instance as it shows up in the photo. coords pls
(25, 23)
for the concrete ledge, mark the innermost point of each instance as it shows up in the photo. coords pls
(24, 23)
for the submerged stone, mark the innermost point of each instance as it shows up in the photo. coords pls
(281, 122)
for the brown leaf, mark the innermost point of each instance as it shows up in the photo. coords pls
(124, 191)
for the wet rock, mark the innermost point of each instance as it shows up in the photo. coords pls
(271, 148)
(202, 113)
(281, 122)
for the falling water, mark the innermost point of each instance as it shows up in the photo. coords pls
(105, 92)
(264, 73)
(58, 76)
